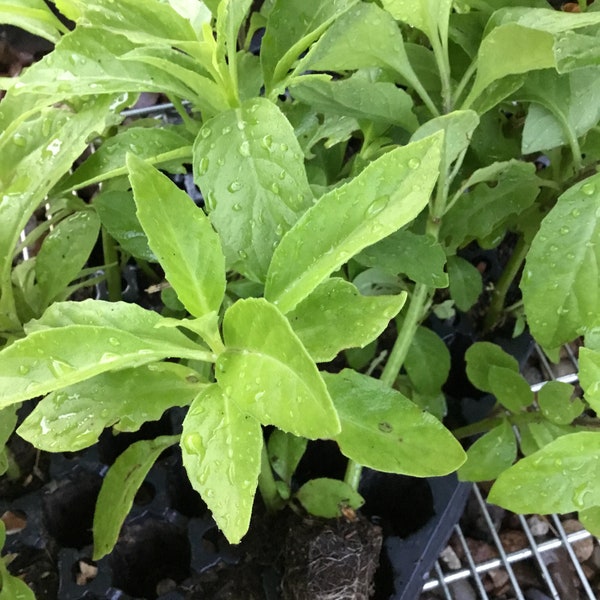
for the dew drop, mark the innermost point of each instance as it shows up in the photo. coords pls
(377, 206)
(19, 139)
(241, 125)
(244, 149)
(564, 230)
(242, 254)
(192, 442)
(275, 188)
(226, 130)
(237, 207)
(23, 369)
(234, 186)
(588, 189)
(206, 132)
(113, 341)
(414, 163)
(267, 142)
(203, 165)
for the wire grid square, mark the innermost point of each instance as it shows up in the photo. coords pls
(558, 561)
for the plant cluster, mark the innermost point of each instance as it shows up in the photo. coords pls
(344, 167)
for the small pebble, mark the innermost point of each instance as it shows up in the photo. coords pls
(538, 525)
(448, 556)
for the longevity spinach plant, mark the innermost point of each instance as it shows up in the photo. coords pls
(316, 188)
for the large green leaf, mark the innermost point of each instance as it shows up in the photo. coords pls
(576, 50)
(491, 454)
(168, 146)
(33, 16)
(562, 477)
(116, 209)
(269, 374)
(291, 28)
(484, 212)
(8, 420)
(64, 253)
(74, 341)
(522, 49)
(557, 404)
(458, 128)
(74, 417)
(383, 430)
(119, 488)
(430, 16)
(386, 195)
(181, 236)
(348, 44)
(335, 317)
(73, 69)
(420, 257)
(35, 157)
(250, 168)
(561, 281)
(358, 97)
(565, 107)
(221, 448)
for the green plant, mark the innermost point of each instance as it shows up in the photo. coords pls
(11, 587)
(317, 188)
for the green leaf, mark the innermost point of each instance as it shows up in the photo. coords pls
(562, 477)
(430, 16)
(11, 587)
(74, 417)
(559, 114)
(167, 146)
(556, 404)
(221, 448)
(490, 455)
(73, 69)
(536, 435)
(510, 388)
(250, 168)
(64, 253)
(387, 194)
(420, 257)
(180, 235)
(484, 211)
(285, 451)
(8, 420)
(383, 430)
(119, 488)
(33, 16)
(522, 49)
(110, 336)
(291, 28)
(590, 519)
(465, 282)
(335, 317)
(44, 150)
(116, 210)
(427, 362)
(348, 44)
(589, 376)
(575, 51)
(481, 357)
(561, 281)
(458, 128)
(269, 374)
(357, 97)
(324, 497)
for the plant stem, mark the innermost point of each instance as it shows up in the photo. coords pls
(501, 289)
(266, 483)
(189, 123)
(113, 271)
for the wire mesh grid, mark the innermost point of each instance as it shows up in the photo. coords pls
(538, 558)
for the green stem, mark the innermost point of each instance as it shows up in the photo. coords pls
(189, 123)
(113, 271)
(266, 483)
(501, 289)
(443, 65)
(460, 88)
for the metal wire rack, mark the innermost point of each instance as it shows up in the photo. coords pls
(532, 563)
